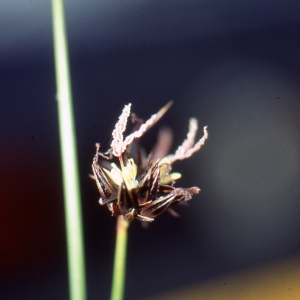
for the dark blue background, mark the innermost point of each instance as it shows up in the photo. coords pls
(233, 65)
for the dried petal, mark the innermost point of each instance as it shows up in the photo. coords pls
(118, 144)
(188, 148)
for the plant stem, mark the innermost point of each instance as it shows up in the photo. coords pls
(74, 232)
(117, 291)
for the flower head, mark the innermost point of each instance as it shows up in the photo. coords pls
(143, 187)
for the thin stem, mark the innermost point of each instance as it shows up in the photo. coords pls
(74, 232)
(117, 291)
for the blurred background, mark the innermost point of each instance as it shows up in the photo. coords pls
(234, 65)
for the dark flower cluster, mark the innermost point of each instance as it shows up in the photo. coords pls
(143, 187)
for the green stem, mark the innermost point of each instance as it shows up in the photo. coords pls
(74, 231)
(117, 291)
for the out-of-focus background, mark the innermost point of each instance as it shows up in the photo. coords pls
(234, 65)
